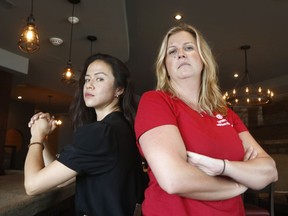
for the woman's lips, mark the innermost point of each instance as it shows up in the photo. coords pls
(183, 64)
(88, 95)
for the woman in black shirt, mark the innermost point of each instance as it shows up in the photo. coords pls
(103, 156)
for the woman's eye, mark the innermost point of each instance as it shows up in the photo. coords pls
(170, 52)
(188, 48)
(99, 79)
(87, 80)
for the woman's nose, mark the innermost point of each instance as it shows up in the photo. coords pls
(88, 85)
(181, 53)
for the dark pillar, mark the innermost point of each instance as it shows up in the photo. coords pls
(5, 91)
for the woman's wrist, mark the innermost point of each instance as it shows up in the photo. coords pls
(36, 144)
(38, 139)
(224, 167)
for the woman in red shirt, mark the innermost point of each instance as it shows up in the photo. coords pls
(201, 156)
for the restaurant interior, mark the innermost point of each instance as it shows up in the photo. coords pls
(248, 38)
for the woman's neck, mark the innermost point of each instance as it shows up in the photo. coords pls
(101, 114)
(188, 92)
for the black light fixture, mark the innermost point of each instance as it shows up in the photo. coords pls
(29, 38)
(244, 93)
(91, 38)
(68, 74)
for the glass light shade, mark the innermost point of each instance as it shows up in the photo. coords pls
(29, 39)
(68, 75)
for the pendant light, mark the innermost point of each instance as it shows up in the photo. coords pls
(68, 74)
(91, 38)
(245, 93)
(29, 39)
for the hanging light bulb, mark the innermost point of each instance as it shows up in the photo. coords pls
(248, 94)
(68, 76)
(29, 39)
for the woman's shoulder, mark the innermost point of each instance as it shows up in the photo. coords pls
(231, 113)
(156, 94)
(158, 100)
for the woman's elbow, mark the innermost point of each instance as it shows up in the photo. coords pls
(273, 172)
(275, 178)
(171, 186)
(270, 177)
(30, 189)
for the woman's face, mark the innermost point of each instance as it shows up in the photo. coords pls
(182, 57)
(99, 91)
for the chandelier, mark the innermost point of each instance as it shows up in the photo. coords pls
(247, 94)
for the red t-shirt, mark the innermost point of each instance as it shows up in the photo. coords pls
(215, 137)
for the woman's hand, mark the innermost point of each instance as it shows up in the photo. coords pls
(42, 124)
(212, 166)
(250, 154)
(208, 165)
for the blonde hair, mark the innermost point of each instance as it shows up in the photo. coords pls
(210, 98)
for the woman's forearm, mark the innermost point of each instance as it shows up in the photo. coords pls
(221, 190)
(212, 187)
(255, 174)
(188, 181)
(49, 153)
(33, 164)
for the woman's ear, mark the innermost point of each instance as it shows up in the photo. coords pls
(119, 91)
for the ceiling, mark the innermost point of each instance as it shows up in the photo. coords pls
(132, 30)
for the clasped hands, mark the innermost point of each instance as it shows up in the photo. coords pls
(42, 124)
(212, 166)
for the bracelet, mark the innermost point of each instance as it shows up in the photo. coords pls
(33, 143)
(224, 166)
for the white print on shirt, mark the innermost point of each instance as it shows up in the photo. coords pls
(222, 122)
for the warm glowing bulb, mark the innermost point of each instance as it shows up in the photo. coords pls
(30, 34)
(247, 90)
(248, 100)
(259, 99)
(236, 100)
(234, 91)
(178, 17)
(68, 73)
(58, 122)
(29, 39)
(259, 89)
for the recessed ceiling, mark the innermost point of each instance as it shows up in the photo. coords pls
(132, 30)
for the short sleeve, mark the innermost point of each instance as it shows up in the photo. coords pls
(235, 121)
(155, 109)
(93, 151)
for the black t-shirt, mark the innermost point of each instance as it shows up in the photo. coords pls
(110, 179)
